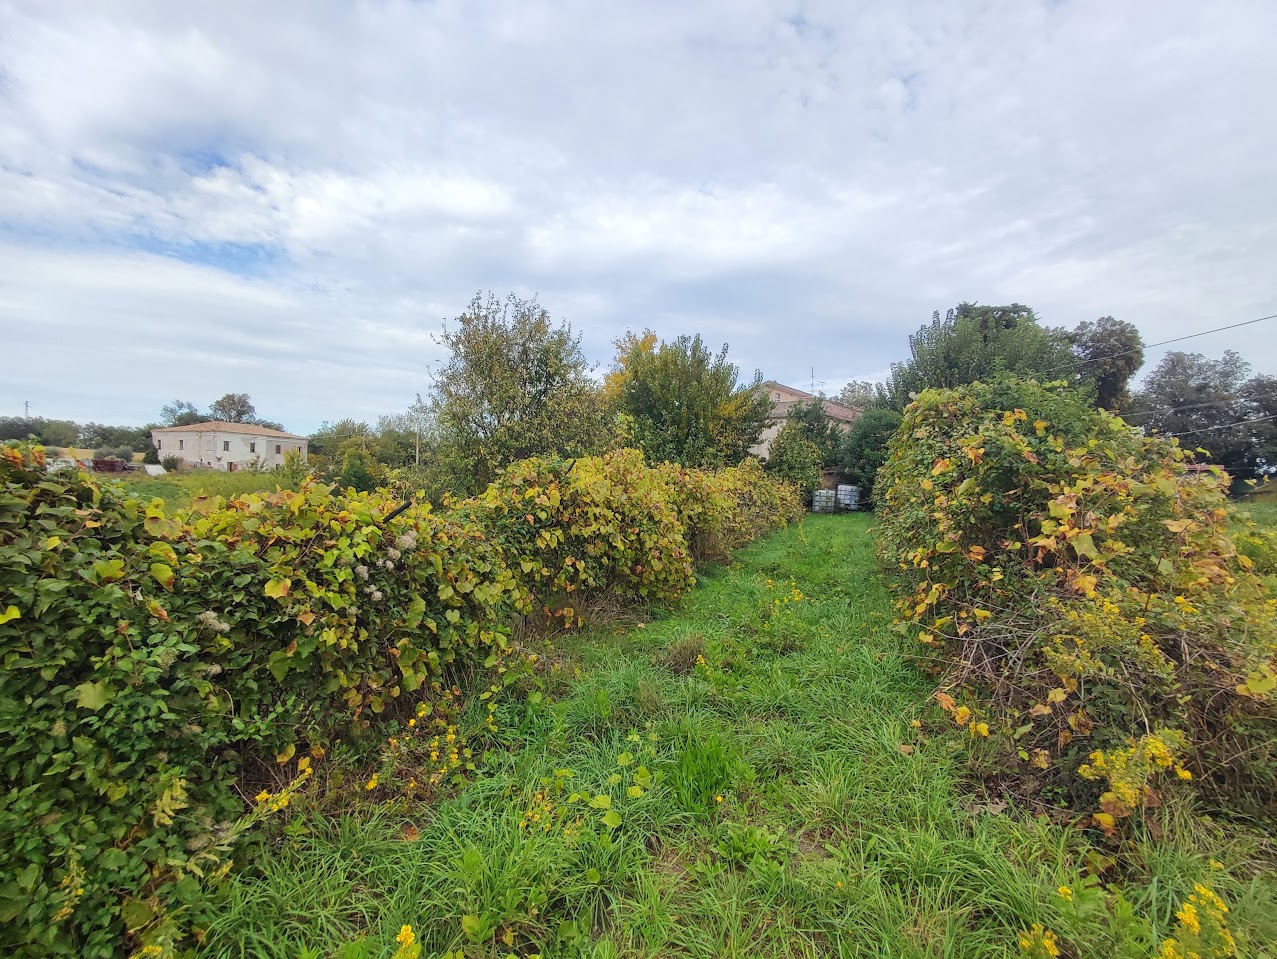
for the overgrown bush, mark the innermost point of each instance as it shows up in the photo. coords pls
(171, 464)
(759, 503)
(864, 449)
(148, 660)
(160, 667)
(582, 527)
(1081, 591)
(794, 458)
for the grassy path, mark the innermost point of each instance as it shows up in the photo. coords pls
(742, 792)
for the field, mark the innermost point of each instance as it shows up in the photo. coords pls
(760, 773)
(178, 489)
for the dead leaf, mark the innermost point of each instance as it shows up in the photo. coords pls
(906, 749)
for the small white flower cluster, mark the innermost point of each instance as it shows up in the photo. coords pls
(362, 572)
(209, 619)
(407, 541)
(373, 593)
(393, 554)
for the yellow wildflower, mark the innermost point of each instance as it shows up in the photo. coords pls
(1065, 893)
(406, 936)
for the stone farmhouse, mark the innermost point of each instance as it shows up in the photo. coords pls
(783, 399)
(227, 446)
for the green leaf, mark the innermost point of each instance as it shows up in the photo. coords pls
(163, 574)
(135, 914)
(601, 801)
(278, 588)
(10, 613)
(416, 609)
(612, 819)
(107, 571)
(470, 925)
(91, 695)
(592, 875)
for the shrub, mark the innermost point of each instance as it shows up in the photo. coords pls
(171, 463)
(1080, 585)
(795, 459)
(574, 528)
(148, 660)
(864, 449)
(759, 503)
(156, 665)
(122, 453)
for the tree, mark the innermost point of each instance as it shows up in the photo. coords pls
(325, 440)
(515, 385)
(96, 435)
(1108, 353)
(795, 458)
(814, 423)
(974, 342)
(180, 413)
(1212, 405)
(859, 394)
(233, 408)
(685, 402)
(864, 448)
(48, 432)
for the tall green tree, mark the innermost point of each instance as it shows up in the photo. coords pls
(816, 426)
(1108, 353)
(233, 408)
(48, 432)
(1212, 404)
(685, 403)
(795, 458)
(973, 342)
(859, 394)
(864, 448)
(515, 385)
(180, 413)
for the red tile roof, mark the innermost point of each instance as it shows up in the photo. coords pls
(213, 426)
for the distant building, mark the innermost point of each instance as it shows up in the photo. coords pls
(783, 400)
(227, 446)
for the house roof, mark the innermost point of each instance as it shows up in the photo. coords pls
(215, 426)
(833, 409)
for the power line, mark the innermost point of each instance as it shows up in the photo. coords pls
(1172, 410)
(1223, 426)
(1150, 346)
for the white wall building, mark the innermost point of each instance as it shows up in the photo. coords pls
(227, 446)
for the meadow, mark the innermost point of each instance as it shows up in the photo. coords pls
(178, 489)
(759, 772)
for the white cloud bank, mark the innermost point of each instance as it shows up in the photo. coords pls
(287, 199)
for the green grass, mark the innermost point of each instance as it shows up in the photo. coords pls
(178, 489)
(1261, 510)
(778, 815)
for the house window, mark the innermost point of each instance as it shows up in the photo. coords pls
(181, 444)
(278, 449)
(252, 447)
(226, 446)
(159, 444)
(776, 394)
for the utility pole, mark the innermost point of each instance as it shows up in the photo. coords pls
(26, 409)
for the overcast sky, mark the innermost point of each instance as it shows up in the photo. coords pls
(287, 199)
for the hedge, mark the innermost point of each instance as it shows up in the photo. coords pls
(1077, 587)
(154, 664)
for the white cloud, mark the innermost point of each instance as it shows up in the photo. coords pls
(301, 192)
